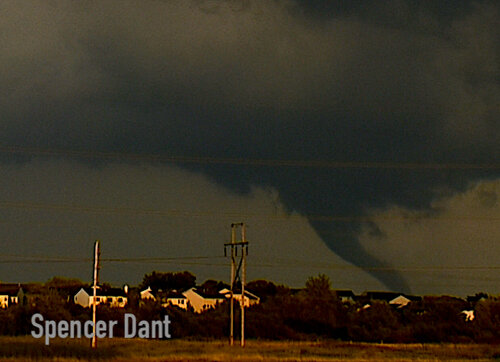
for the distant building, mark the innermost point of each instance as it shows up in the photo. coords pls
(393, 298)
(166, 298)
(477, 298)
(174, 298)
(469, 315)
(250, 298)
(345, 296)
(377, 295)
(400, 301)
(113, 297)
(10, 294)
(201, 301)
(147, 294)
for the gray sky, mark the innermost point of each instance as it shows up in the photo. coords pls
(354, 138)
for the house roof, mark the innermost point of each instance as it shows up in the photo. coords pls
(115, 292)
(477, 297)
(248, 294)
(111, 292)
(10, 285)
(10, 289)
(413, 298)
(344, 293)
(170, 294)
(205, 295)
(401, 300)
(377, 295)
(385, 296)
(71, 290)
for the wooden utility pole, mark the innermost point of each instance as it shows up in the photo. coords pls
(233, 272)
(244, 251)
(97, 252)
(235, 275)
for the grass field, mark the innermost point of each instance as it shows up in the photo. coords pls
(28, 348)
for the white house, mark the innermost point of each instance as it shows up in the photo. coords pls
(201, 301)
(147, 294)
(113, 297)
(469, 315)
(250, 298)
(9, 294)
(197, 299)
(400, 301)
(4, 300)
(165, 297)
(176, 299)
(345, 296)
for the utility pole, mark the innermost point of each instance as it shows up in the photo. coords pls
(235, 276)
(97, 253)
(233, 271)
(244, 252)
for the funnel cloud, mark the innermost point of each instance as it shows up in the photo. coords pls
(342, 109)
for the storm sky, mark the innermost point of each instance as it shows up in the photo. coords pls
(355, 138)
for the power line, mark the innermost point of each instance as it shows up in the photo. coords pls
(144, 259)
(285, 263)
(327, 164)
(190, 214)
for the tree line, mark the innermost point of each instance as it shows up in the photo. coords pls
(312, 312)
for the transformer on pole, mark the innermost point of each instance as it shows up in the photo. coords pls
(235, 276)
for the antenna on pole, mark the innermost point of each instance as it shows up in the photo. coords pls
(235, 275)
(97, 253)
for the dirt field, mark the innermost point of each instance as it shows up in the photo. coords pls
(28, 348)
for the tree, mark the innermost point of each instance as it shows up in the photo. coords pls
(318, 286)
(487, 321)
(62, 282)
(262, 288)
(168, 281)
(212, 287)
(379, 322)
(442, 320)
(66, 287)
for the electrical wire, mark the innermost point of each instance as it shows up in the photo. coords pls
(318, 164)
(329, 164)
(286, 263)
(25, 205)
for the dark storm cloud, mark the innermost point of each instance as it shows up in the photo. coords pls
(57, 208)
(359, 81)
(465, 224)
